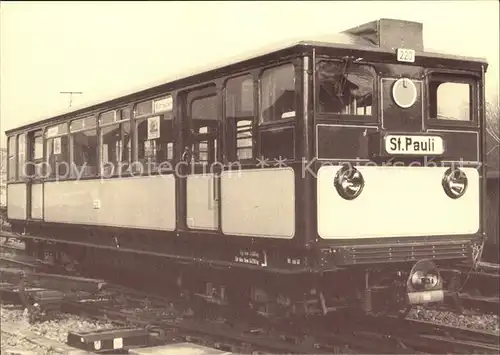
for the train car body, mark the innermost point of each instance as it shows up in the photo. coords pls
(345, 171)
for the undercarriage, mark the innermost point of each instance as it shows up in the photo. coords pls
(364, 289)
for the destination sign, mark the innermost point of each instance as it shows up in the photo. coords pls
(164, 104)
(414, 145)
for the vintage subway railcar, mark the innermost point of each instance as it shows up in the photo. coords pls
(309, 177)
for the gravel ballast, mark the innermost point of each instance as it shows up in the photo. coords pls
(485, 322)
(14, 326)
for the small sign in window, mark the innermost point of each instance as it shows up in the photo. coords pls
(57, 145)
(164, 104)
(154, 127)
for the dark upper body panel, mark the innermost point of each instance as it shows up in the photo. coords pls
(375, 42)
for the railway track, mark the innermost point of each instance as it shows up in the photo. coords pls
(120, 305)
(155, 316)
(8, 248)
(312, 337)
(479, 289)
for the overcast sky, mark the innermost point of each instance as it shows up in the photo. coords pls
(104, 48)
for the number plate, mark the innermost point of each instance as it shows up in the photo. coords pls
(406, 55)
(414, 145)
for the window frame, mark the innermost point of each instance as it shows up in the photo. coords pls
(71, 133)
(18, 156)
(45, 140)
(296, 68)
(37, 133)
(254, 119)
(14, 155)
(459, 78)
(136, 119)
(208, 90)
(347, 119)
(117, 120)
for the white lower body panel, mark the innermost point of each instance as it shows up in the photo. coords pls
(259, 203)
(202, 210)
(135, 202)
(397, 202)
(37, 201)
(16, 201)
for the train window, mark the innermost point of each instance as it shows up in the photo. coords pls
(57, 151)
(56, 130)
(38, 148)
(154, 130)
(203, 112)
(21, 156)
(115, 142)
(155, 138)
(84, 153)
(204, 116)
(277, 87)
(84, 142)
(345, 89)
(143, 108)
(204, 148)
(83, 123)
(239, 118)
(12, 159)
(204, 108)
(107, 117)
(450, 100)
(36, 170)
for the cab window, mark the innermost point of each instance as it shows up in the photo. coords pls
(345, 89)
(277, 86)
(449, 100)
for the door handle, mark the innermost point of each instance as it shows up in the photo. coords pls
(216, 188)
(186, 155)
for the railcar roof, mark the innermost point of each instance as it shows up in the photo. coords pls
(334, 41)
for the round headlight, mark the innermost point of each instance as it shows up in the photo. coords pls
(426, 280)
(455, 182)
(349, 182)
